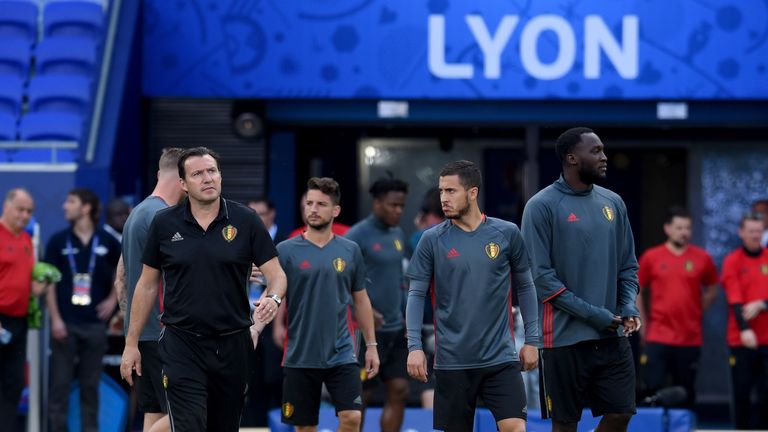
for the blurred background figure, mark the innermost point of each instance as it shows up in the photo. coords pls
(117, 213)
(760, 208)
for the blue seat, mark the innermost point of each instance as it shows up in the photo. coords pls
(19, 20)
(74, 18)
(11, 94)
(53, 126)
(66, 56)
(7, 127)
(66, 93)
(15, 57)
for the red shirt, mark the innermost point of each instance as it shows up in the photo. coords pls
(16, 262)
(675, 283)
(337, 228)
(745, 278)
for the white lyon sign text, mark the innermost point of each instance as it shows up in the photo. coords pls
(597, 39)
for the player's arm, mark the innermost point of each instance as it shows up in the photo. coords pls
(143, 300)
(522, 281)
(537, 235)
(277, 283)
(420, 272)
(734, 295)
(364, 317)
(627, 277)
(122, 293)
(708, 296)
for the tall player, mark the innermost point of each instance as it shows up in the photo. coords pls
(471, 259)
(584, 267)
(326, 279)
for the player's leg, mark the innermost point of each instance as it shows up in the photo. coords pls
(503, 393)
(565, 371)
(228, 381)
(455, 399)
(160, 422)
(343, 383)
(184, 381)
(685, 367)
(395, 376)
(612, 384)
(741, 362)
(302, 389)
(150, 398)
(654, 367)
(762, 388)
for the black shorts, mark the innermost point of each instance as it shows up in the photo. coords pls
(205, 379)
(150, 397)
(456, 391)
(302, 391)
(596, 373)
(666, 365)
(393, 357)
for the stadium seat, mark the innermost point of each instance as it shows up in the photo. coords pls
(67, 93)
(15, 57)
(55, 126)
(74, 18)
(18, 20)
(66, 56)
(7, 127)
(11, 95)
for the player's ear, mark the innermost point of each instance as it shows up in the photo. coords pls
(336, 211)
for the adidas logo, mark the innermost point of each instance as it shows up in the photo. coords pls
(573, 218)
(177, 237)
(305, 265)
(358, 401)
(453, 253)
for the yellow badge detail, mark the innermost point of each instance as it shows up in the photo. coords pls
(287, 410)
(398, 245)
(229, 233)
(689, 266)
(643, 359)
(732, 361)
(363, 374)
(492, 250)
(549, 404)
(165, 381)
(339, 265)
(608, 213)
(764, 269)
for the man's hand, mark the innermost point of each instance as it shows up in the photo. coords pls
(378, 319)
(417, 365)
(58, 330)
(255, 336)
(266, 309)
(529, 357)
(749, 339)
(131, 362)
(371, 361)
(106, 308)
(631, 325)
(752, 309)
(614, 325)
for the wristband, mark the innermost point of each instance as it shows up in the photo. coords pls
(370, 344)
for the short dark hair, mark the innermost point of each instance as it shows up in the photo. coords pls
(431, 203)
(755, 217)
(385, 185)
(568, 140)
(468, 172)
(762, 201)
(676, 211)
(196, 151)
(169, 158)
(262, 199)
(87, 196)
(327, 186)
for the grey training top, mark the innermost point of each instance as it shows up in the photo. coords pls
(134, 239)
(319, 297)
(472, 293)
(583, 262)
(383, 251)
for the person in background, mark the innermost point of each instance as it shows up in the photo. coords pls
(117, 214)
(678, 281)
(745, 281)
(19, 277)
(338, 228)
(80, 306)
(760, 208)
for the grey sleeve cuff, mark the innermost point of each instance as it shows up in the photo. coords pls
(414, 313)
(597, 317)
(529, 307)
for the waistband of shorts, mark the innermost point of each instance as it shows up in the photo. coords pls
(206, 336)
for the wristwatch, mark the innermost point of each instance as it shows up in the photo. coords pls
(276, 298)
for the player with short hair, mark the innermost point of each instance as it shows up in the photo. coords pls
(471, 259)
